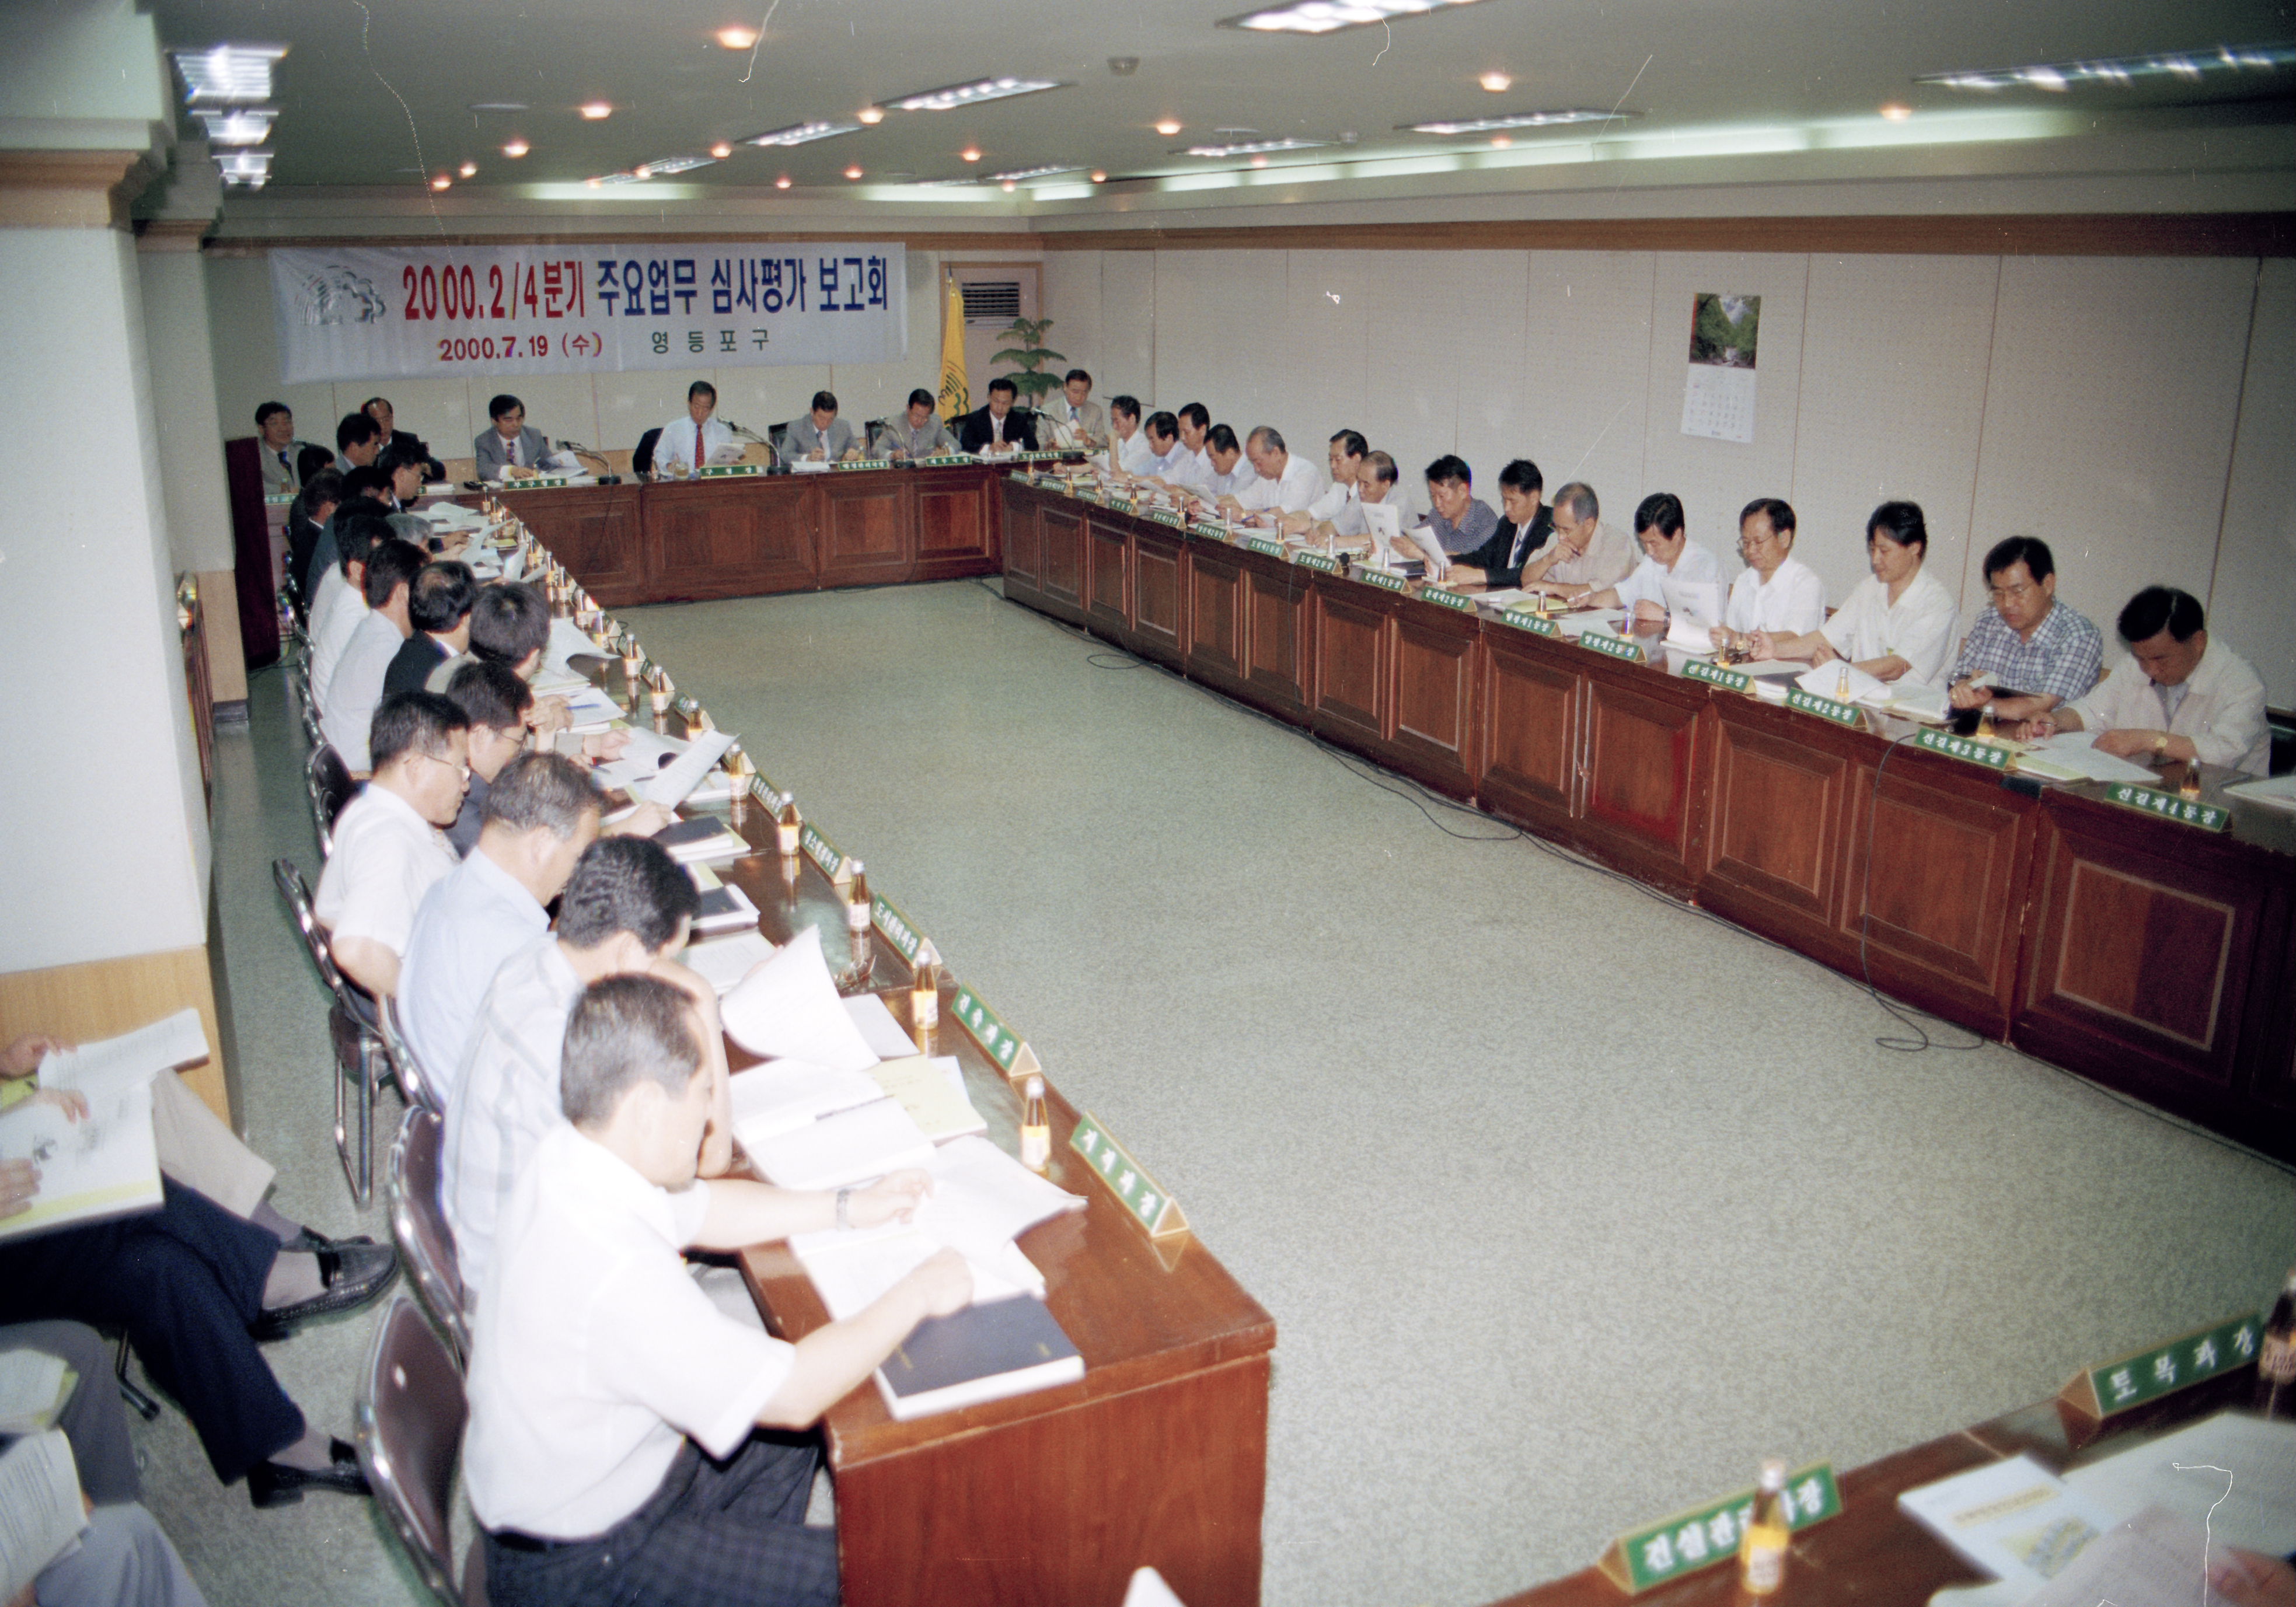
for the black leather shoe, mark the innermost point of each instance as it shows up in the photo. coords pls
(276, 1484)
(308, 1241)
(350, 1275)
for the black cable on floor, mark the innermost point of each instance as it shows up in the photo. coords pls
(1921, 1040)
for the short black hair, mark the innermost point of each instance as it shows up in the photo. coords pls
(701, 388)
(623, 1031)
(1661, 510)
(922, 394)
(1579, 497)
(1522, 474)
(393, 460)
(263, 414)
(324, 487)
(1001, 383)
(504, 403)
(1073, 375)
(1901, 522)
(1776, 510)
(1128, 406)
(363, 479)
(2158, 608)
(312, 461)
(389, 565)
(509, 620)
(1351, 443)
(442, 596)
(1219, 437)
(822, 401)
(412, 722)
(355, 427)
(1270, 439)
(1197, 415)
(540, 790)
(1383, 468)
(490, 693)
(626, 884)
(358, 537)
(1450, 469)
(2030, 551)
(1164, 424)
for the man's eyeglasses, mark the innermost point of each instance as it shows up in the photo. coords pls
(445, 763)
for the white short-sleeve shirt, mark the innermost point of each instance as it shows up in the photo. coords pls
(477, 916)
(594, 1356)
(347, 705)
(1918, 628)
(1301, 483)
(386, 859)
(1648, 582)
(1134, 456)
(1792, 602)
(2221, 712)
(332, 632)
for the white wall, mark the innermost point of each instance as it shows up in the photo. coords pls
(2121, 408)
(191, 435)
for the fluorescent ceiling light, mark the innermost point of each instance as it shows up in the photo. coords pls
(1329, 16)
(1252, 148)
(673, 164)
(237, 74)
(252, 169)
(632, 178)
(238, 125)
(1022, 175)
(1518, 120)
(802, 134)
(2191, 65)
(970, 94)
(498, 105)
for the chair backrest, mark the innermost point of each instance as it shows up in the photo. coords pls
(413, 1081)
(418, 1226)
(297, 894)
(642, 460)
(331, 792)
(410, 1416)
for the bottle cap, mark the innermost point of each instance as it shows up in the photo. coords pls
(1774, 1472)
(1036, 1090)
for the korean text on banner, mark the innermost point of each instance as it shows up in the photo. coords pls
(367, 312)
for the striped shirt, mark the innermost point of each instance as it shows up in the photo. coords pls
(2061, 660)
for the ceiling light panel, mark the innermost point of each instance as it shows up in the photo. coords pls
(235, 74)
(237, 125)
(2121, 71)
(250, 168)
(1329, 16)
(970, 94)
(1252, 148)
(1022, 175)
(1515, 120)
(673, 164)
(802, 134)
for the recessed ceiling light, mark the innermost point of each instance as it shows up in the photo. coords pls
(468, 169)
(721, 150)
(1252, 148)
(802, 134)
(783, 183)
(853, 172)
(1098, 177)
(249, 169)
(516, 149)
(1329, 16)
(1168, 127)
(1500, 142)
(970, 153)
(598, 110)
(441, 182)
(737, 37)
(1896, 112)
(1260, 162)
(1497, 83)
(1022, 175)
(971, 95)
(871, 115)
(1123, 67)
(235, 74)
(498, 105)
(1514, 120)
(2191, 65)
(239, 125)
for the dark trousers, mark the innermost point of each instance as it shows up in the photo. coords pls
(185, 1281)
(731, 1534)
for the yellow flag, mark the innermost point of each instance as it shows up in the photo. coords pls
(956, 394)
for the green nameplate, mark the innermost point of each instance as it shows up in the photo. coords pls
(944, 460)
(277, 499)
(1260, 544)
(1717, 675)
(1968, 750)
(1616, 647)
(1321, 562)
(544, 483)
(1697, 1539)
(2168, 806)
(1523, 619)
(768, 794)
(1443, 598)
(1381, 579)
(1166, 516)
(895, 925)
(1039, 457)
(728, 470)
(1122, 504)
(1825, 709)
(1210, 531)
(1094, 497)
(998, 1041)
(2101, 1391)
(1130, 1182)
(821, 851)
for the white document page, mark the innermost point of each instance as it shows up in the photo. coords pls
(133, 1057)
(854, 1271)
(783, 1095)
(723, 961)
(2278, 793)
(566, 640)
(673, 784)
(885, 1036)
(1844, 683)
(2073, 755)
(40, 1510)
(2234, 1473)
(867, 1141)
(107, 1164)
(2156, 1559)
(790, 1007)
(31, 1390)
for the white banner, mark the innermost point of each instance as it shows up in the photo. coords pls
(360, 312)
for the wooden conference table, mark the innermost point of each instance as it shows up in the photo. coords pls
(1158, 1455)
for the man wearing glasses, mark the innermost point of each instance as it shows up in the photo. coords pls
(2028, 652)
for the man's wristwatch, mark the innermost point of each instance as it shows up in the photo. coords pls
(2160, 744)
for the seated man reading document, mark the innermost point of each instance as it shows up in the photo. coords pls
(389, 842)
(1127, 444)
(1527, 527)
(1898, 623)
(356, 687)
(2179, 695)
(1283, 483)
(1457, 519)
(696, 441)
(405, 443)
(509, 444)
(1074, 414)
(1231, 474)
(1192, 469)
(1338, 511)
(439, 609)
(819, 435)
(609, 1456)
(1775, 592)
(1674, 569)
(1167, 457)
(916, 431)
(1586, 555)
(359, 442)
(998, 427)
(2028, 645)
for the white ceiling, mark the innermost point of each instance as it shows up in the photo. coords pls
(379, 92)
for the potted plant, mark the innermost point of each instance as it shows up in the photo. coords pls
(1027, 347)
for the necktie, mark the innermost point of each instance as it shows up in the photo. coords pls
(512, 459)
(697, 444)
(288, 466)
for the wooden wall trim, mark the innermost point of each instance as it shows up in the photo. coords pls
(103, 998)
(257, 245)
(69, 189)
(171, 233)
(2020, 234)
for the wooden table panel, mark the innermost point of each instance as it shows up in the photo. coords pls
(1277, 635)
(1775, 831)
(1159, 595)
(704, 541)
(866, 529)
(1354, 648)
(1108, 574)
(957, 534)
(1024, 540)
(1062, 576)
(1216, 616)
(596, 531)
(1642, 797)
(1435, 725)
(1531, 732)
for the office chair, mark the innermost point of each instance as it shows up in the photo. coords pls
(418, 1226)
(410, 1415)
(331, 790)
(642, 460)
(359, 1050)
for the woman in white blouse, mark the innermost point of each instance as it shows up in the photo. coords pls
(1898, 622)
(1776, 592)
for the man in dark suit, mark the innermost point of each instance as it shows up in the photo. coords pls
(439, 607)
(404, 443)
(1526, 528)
(510, 442)
(999, 427)
(306, 520)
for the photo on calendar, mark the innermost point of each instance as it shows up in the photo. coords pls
(1724, 329)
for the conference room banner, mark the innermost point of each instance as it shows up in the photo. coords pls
(361, 313)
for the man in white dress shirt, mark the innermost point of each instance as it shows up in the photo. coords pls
(541, 813)
(356, 688)
(609, 1456)
(1127, 443)
(391, 843)
(687, 443)
(1166, 456)
(822, 437)
(338, 605)
(1671, 560)
(1285, 484)
(1193, 469)
(1340, 506)
(2179, 696)
(1232, 475)
(1776, 591)
(1898, 623)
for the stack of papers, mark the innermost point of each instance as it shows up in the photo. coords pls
(931, 1090)
(1919, 700)
(723, 961)
(866, 1141)
(2073, 755)
(567, 639)
(784, 1095)
(1844, 683)
(700, 839)
(33, 1386)
(2279, 792)
(2012, 1518)
(106, 1164)
(673, 782)
(788, 1008)
(1579, 623)
(40, 1499)
(723, 908)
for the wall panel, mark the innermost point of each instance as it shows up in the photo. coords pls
(1219, 334)
(2249, 604)
(1071, 301)
(1585, 374)
(1128, 324)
